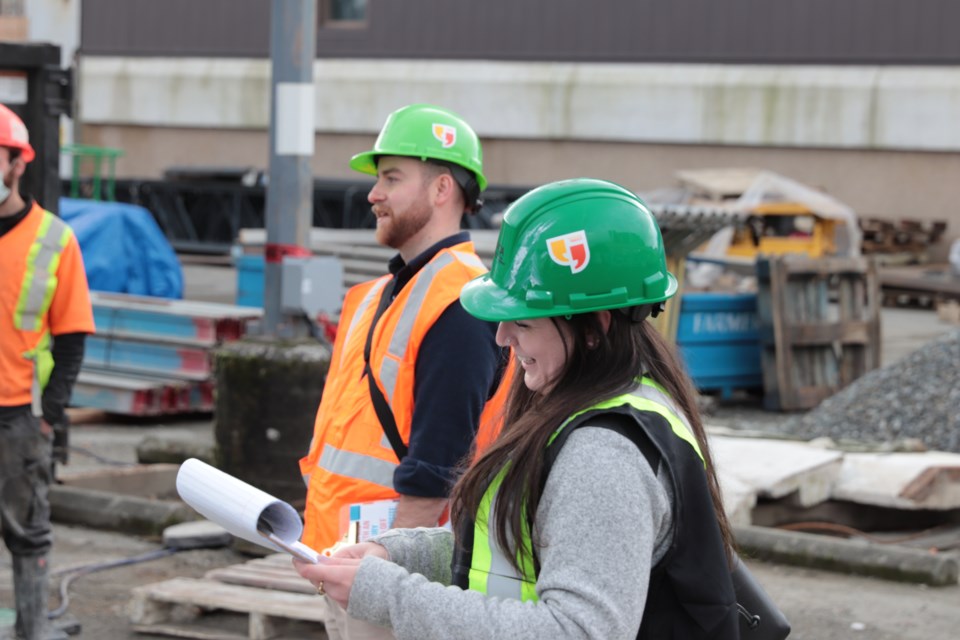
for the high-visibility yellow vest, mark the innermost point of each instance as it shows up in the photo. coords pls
(36, 292)
(490, 569)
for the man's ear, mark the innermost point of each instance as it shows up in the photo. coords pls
(444, 189)
(17, 168)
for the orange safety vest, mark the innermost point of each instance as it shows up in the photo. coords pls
(43, 292)
(351, 460)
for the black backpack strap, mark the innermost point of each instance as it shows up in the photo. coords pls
(380, 405)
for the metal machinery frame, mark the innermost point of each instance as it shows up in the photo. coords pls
(49, 94)
(201, 210)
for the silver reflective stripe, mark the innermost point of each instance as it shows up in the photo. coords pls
(48, 248)
(502, 586)
(389, 372)
(36, 392)
(651, 393)
(503, 580)
(390, 367)
(469, 259)
(361, 309)
(357, 466)
(306, 480)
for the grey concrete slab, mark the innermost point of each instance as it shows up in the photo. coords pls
(776, 468)
(200, 534)
(912, 481)
(739, 499)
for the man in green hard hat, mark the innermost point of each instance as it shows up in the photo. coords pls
(414, 381)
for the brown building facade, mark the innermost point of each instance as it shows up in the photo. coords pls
(853, 96)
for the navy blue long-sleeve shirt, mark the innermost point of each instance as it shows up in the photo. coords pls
(458, 368)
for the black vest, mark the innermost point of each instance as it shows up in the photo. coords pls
(691, 595)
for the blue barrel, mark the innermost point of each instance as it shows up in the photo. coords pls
(718, 335)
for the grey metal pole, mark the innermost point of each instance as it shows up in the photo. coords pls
(290, 187)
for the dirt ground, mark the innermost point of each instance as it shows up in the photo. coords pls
(820, 605)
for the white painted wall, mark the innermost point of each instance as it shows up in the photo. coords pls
(852, 107)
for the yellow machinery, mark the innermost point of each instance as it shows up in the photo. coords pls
(782, 215)
(777, 228)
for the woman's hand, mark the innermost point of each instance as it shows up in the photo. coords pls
(334, 576)
(362, 550)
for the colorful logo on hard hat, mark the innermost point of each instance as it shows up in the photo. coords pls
(570, 250)
(446, 134)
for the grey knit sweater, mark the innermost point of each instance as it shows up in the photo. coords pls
(605, 521)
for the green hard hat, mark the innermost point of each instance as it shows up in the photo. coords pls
(572, 247)
(429, 133)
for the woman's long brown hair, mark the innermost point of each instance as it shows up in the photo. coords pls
(591, 375)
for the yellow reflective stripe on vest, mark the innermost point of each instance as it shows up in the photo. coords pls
(36, 293)
(647, 396)
(40, 277)
(357, 466)
(390, 367)
(490, 572)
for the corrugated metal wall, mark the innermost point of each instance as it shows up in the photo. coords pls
(743, 31)
(207, 28)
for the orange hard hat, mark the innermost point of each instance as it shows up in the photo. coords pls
(13, 133)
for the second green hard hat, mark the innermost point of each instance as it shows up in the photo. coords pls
(429, 133)
(572, 247)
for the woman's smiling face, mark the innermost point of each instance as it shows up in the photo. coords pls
(541, 348)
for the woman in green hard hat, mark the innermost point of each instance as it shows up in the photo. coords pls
(596, 512)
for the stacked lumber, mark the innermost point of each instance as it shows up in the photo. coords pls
(907, 237)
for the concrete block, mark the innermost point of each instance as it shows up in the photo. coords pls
(739, 499)
(849, 556)
(777, 468)
(929, 480)
(144, 481)
(201, 534)
(115, 512)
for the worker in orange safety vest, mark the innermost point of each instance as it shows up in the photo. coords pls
(414, 381)
(45, 315)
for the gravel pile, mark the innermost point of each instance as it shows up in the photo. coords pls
(917, 397)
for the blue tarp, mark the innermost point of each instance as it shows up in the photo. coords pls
(124, 251)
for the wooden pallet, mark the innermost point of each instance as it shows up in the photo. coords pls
(819, 327)
(261, 599)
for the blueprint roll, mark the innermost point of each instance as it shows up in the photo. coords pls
(242, 509)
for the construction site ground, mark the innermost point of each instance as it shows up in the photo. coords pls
(821, 605)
